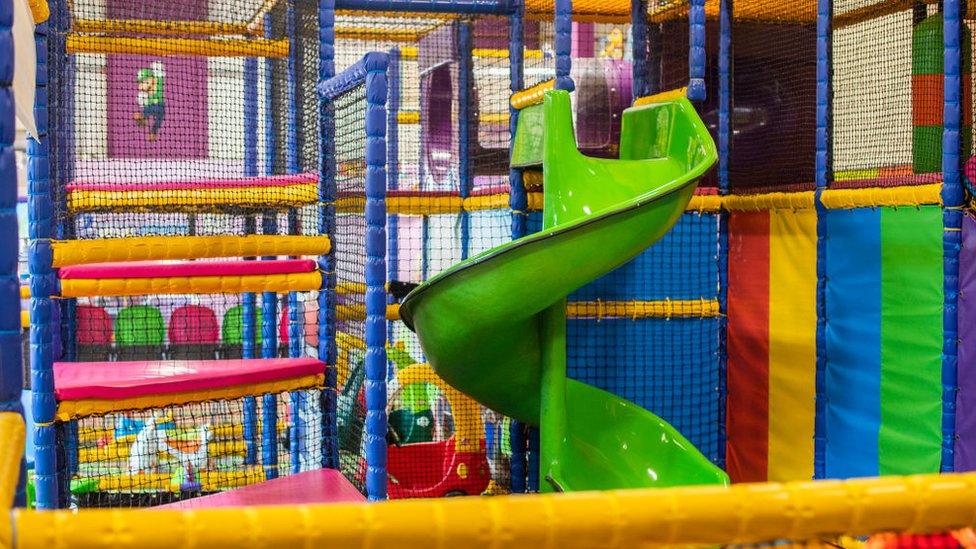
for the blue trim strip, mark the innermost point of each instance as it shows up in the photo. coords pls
(564, 45)
(639, 40)
(326, 225)
(953, 199)
(696, 52)
(823, 144)
(486, 7)
(465, 123)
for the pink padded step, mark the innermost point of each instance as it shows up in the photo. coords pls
(319, 486)
(157, 269)
(122, 380)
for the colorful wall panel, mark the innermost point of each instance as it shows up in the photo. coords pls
(883, 346)
(771, 345)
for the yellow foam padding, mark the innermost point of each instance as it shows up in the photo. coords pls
(117, 287)
(270, 196)
(493, 117)
(851, 175)
(792, 343)
(25, 291)
(149, 248)
(158, 28)
(12, 433)
(408, 117)
(220, 432)
(40, 11)
(224, 47)
(120, 451)
(532, 178)
(761, 202)
(752, 10)
(468, 427)
(670, 95)
(690, 308)
(619, 8)
(72, 409)
(646, 517)
(25, 319)
(531, 96)
(211, 481)
(384, 34)
(436, 205)
(358, 312)
(917, 195)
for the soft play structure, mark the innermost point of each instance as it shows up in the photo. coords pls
(706, 264)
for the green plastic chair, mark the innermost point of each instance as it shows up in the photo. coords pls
(232, 333)
(140, 333)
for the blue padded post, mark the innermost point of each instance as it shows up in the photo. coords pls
(696, 51)
(11, 372)
(564, 45)
(484, 7)
(326, 225)
(953, 199)
(638, 38)
(518, 202)
(466, 111)
(376, 420)
(43, 284)
(250, 117)
(825, 10)
(392, 173)
(726, 8)
(248, 339)
(269, 349)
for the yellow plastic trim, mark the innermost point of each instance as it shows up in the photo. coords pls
(468, 427)
(379, 33)
(706, 515)
(40, 11)
(108, 287)
(918, 195)
(230, 47)
(12, 433)
(25, 291)
(408, 117)
(145, 248)
(670, 95)
(120, 450)
(634, 310)
(194, 199)
(531, 96)
(25, 319)
(358, 312)
(159, 28)
(212, 481)
(72, 409)
(413, 117)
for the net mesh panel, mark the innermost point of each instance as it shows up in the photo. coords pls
(887, 129)
(146, 458)
(956, 539)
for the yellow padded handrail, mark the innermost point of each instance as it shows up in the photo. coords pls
(669, 95)
(40, 11)
(271, 196)
(230, 47)
(743, 513)
(910, 195)
(531, 96)
(159, 28)
(176, 285)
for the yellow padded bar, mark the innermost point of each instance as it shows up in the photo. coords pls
(158, 28)
(918, 195)
(40, 11)
(408, 117)
(12, 433)
(219, 432)
(752, 10)
(120, 451)
(212, 481)
(153, 199)
(118, 287)
(743, 513)
(619, 8)
(25, 319)
(146, 248)
(531, 96)
(231, 47)
(384, 34)
(768, 201)
(358, 312)
(634, 310)
(25, 291)
(669, 95)
(72, 409)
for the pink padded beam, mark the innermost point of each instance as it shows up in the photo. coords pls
(266, 181)
(122, 380)
(319, 486)
(156, 269)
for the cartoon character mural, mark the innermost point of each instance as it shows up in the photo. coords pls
(152, 105)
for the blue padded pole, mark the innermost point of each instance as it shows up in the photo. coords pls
(564, 45)
(43, 284)
(518, 202)
(465, 114)
(485, 7)
(825, 10)
(953, 199)
(639, 41)
(374, 437)
(250, 117)
(248, 339)
(269, 349)
(726, 10)
(11, 372)
(696, 51)
(393, 176)
(326, 225)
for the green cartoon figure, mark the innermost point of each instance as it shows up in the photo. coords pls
(151, 104)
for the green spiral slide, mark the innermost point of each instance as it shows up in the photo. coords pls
(494, 326)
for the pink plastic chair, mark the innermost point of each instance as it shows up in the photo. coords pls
(194, 333)
(93, 334)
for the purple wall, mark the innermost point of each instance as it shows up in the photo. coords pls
(965, 459)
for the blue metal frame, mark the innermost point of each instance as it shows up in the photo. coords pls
(465, 81)
(953, 199)
(11, 373)
(371, 70)
(823, 167)
(696, 52)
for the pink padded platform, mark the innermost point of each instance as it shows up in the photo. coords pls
(156, 269)
(122, 380)
(319, 486)
(266, 181)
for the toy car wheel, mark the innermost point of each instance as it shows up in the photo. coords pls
(455, 493)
